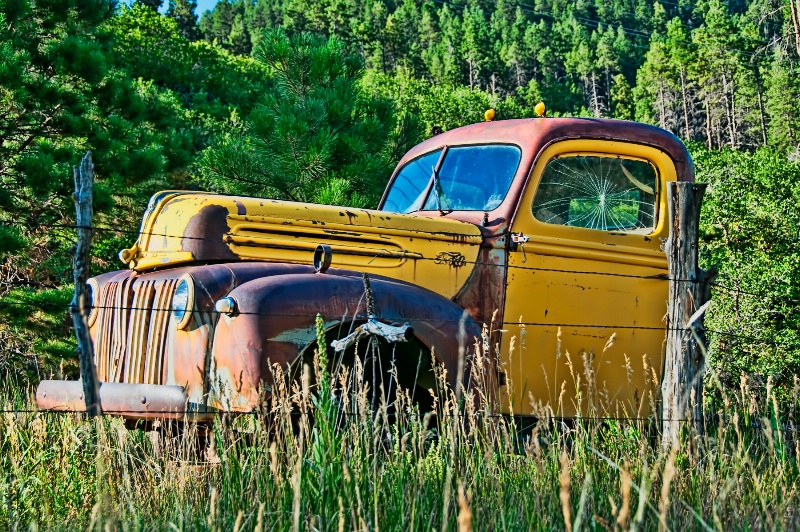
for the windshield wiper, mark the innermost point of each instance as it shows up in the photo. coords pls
(436, 186)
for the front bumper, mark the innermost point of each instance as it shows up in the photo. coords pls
(135, 401)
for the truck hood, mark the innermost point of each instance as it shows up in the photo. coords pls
(183, 227)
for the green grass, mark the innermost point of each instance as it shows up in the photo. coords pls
(352, 468)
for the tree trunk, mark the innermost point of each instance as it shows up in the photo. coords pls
(473, 78)
(595, 102)
(795, 9)
(685, 104)
(759, 91)
(729, 111)
(689, 290)
(708, 123)
(84, 182)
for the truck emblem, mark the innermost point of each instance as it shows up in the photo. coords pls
(453, 258)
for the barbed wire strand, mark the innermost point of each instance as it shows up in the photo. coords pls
(656, 277)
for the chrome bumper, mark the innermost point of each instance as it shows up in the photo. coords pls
(137, 401)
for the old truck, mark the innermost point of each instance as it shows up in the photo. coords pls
(547, 230)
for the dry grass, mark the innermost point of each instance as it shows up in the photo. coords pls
(355, 468)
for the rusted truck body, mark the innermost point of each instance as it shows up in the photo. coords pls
(544, 230)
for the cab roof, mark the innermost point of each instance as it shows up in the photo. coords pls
(533, 135)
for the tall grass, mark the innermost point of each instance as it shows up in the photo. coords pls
(321, 457)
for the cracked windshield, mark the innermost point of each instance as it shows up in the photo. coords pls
(604, 193)
(471, 178)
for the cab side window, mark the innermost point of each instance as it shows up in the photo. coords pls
(598, 192)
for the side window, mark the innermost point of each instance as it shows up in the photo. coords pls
(598, 192)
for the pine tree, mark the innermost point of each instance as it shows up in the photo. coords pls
(307, 15)
(155, 5)
(215, 26)
(183, 11)
(65, 91)
(368, 32)
(474, 44)
(402, 37)
(318, 137)
(443, 58)
(238, 40)
(716, 71)
(783, 102)
(680, 53)
(653, 92)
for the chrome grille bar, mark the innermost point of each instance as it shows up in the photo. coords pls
(133, 319)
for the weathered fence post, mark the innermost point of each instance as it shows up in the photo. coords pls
(84, 181)
(689, 291)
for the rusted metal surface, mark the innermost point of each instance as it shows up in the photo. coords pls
(532, 135)
(224, 361)
(441, 274)
(134, 332)
(484, 294)
(276, 321)
(139, 401)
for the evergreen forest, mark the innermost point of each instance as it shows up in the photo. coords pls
(166, 98)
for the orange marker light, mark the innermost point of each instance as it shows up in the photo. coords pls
(489, 115)
(540, 109)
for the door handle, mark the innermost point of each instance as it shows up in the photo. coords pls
(519, 238)
(518, 242)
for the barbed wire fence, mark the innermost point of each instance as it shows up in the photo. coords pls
(722, 286)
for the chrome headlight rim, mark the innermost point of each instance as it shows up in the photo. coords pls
(182, 321)
(94, 293)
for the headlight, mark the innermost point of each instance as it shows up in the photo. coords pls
(94, 292)
(183, 301)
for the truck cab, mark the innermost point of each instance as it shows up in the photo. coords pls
(544, 230)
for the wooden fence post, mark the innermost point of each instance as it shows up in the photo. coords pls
(689, 294)
(84, 182)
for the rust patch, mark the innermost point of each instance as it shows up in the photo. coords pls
(240, 208)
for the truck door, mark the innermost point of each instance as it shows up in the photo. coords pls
(586, 289)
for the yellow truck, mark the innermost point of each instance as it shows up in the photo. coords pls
(547, 230)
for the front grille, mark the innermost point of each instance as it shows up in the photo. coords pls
(132, 326)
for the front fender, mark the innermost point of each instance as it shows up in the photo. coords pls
(275, 320)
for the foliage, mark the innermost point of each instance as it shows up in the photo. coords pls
(38, 321)
(78, 76)
(716, 72)
(441, 105)
(208, 82)
(131, 85)
(317, 137)
(64, 93)
(183, 12)
(750, 229)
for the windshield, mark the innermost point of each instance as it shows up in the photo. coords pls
(471, 178)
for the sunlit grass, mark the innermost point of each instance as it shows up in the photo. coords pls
(314, 461)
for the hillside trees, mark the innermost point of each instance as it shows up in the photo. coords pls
(318, 136)
(716, 72)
